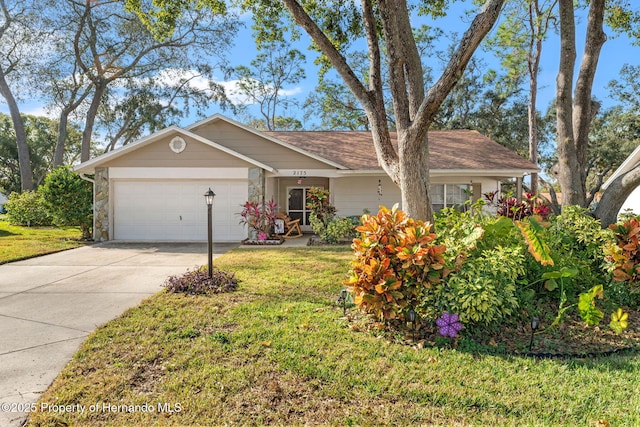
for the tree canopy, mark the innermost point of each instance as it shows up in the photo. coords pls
(128, 68)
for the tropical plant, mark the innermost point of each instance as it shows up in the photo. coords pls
(260, 217)
(619, 321)
(319, 204)
(626, 259)
(511, 207)
(587, 308)
(564, 266)
(397, 262)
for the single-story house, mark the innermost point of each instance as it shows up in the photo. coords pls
(153, 189)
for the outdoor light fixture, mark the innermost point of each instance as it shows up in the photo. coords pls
(411, 317)
(208, 198)
(534, 325)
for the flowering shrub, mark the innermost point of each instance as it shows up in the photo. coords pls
(396, 262)
(259, 217)
(198, 282)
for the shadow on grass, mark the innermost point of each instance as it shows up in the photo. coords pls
(5, 233)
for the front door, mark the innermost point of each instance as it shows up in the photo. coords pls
(297, 206)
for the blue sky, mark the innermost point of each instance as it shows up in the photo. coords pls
(615, 53)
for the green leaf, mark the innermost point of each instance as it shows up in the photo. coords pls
(619, 321)
(469, 241)
(587, 307)
(562, 273)
(531, 231)
(550, 284)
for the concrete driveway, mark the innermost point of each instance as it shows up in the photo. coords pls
(50, 304)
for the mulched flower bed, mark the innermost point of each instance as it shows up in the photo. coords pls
(317, 241)
(571, 339)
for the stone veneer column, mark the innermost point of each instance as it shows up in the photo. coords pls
(101, 205)
(256, 189)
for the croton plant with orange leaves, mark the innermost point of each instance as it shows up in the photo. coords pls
(626, 256)
(396, 262)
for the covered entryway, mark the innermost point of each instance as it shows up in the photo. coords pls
(176, 211)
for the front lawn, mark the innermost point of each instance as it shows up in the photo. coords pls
(279, 352)
(18, 243)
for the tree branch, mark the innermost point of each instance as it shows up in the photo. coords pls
(471, 39)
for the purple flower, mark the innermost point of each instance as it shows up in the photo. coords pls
(449, 324)
(262, 236)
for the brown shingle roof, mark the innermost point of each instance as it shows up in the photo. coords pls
(450, 149)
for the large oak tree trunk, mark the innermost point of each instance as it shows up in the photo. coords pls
(409, 165)
(615, 195)
(24, 160)
(574, 116)
(58, 155)
(85, 152)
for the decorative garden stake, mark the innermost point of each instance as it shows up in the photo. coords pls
(343, 300)
(534, 325)
(449, 324)
(411, 317)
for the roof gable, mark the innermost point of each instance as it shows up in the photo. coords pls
(89, 166)
(201, 129)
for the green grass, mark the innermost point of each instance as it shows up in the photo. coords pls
(18, 243)
(279, 352)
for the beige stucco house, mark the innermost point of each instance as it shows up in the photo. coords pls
(153, 188)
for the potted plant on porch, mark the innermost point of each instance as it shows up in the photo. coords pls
(260, 217)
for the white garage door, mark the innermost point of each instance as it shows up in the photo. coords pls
(176, 210)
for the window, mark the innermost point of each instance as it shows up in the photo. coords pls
(449, 195)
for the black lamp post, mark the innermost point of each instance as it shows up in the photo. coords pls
(208, 197)
(534, 325)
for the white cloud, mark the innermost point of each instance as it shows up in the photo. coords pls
(237, 97)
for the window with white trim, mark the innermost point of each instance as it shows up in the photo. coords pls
(449, 195)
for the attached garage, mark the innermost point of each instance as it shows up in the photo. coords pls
(153, 189)
(176, 211)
